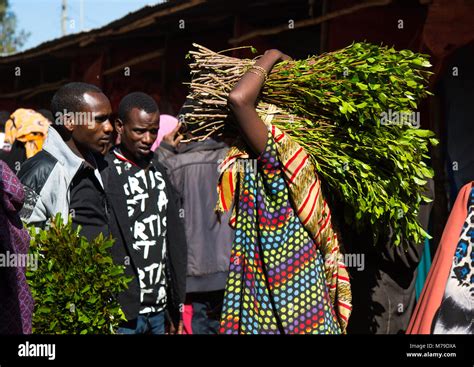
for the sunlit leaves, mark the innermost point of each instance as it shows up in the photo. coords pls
(76, 282)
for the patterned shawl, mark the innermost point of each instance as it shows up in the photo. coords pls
(16, 303)
(309, 203)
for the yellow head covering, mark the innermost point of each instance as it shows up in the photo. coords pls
(29, 127)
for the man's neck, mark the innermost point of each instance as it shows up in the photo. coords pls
(142, 163)
(82, 153)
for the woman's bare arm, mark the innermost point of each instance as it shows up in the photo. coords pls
(242, 101)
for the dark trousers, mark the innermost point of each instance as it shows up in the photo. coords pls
(207, 307)
(151, 323)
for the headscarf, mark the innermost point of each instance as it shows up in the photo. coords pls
(29, 127)
(167, 124)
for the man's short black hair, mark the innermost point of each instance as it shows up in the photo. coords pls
(70, 97)
(138, 100)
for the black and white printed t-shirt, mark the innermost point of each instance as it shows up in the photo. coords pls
(146, 206)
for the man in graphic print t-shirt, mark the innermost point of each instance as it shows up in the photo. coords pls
(146, 205)
(141, 204)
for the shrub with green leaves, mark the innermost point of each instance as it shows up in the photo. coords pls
(76, 282)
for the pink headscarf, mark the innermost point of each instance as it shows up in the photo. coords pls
(167, 124)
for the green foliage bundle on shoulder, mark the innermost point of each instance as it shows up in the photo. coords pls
(354, 112)
(76, 282)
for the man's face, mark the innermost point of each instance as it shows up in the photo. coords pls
(93, 129)
(139, 133)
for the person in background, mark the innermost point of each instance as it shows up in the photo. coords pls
(25, 132)
(446, 305)
(167, 125)
(145, 222)
(16, 302)
(4, 116)
(383, 282)
(194, 172)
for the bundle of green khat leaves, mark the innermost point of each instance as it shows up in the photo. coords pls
(354, 112)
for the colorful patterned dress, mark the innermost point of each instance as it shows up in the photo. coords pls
(276, 282)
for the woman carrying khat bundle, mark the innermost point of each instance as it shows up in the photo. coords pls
(286, 270)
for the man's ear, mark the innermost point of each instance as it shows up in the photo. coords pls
(68, 122)
(119, 126)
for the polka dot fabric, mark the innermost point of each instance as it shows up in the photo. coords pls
(276, 282)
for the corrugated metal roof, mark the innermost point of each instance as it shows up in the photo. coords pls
(132, 21)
